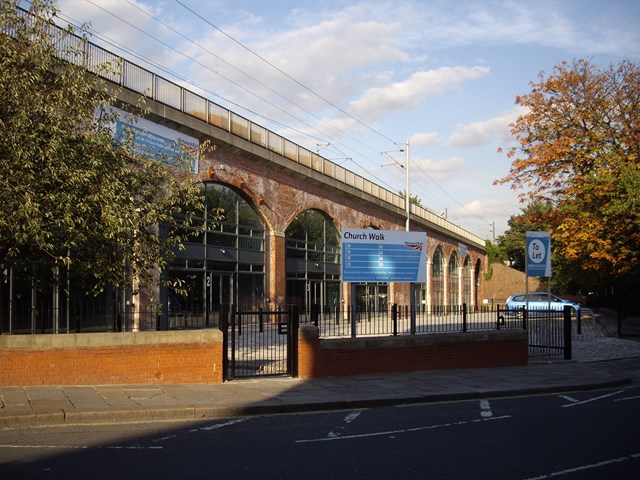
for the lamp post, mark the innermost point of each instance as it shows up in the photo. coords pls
(407, 200)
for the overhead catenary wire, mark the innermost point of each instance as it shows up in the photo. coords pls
(334, 144)
(304, 134)
(310, 91)
(341, 110)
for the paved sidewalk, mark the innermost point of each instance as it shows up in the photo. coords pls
(599, 361)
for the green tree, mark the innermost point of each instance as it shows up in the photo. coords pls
(513, 241)
(579, 148)
(71, 195)
(495, 254)
(413, 199)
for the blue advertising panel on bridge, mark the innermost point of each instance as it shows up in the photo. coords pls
(383, 256)
(156, 140)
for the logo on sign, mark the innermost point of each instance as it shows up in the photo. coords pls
(537, 251)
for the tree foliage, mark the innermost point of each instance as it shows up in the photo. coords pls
(71, 195)
(578, 148)
(513, 241)
(413, 199)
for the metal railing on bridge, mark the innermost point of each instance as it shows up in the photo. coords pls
(124, 73)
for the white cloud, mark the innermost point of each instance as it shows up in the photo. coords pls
(425, 138)
(423, 170)
(484, 132)
(407, 94)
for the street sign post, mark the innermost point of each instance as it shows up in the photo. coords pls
(538, 254)
(538, 260)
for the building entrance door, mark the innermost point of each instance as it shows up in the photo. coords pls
(315, 294)
(219, 290)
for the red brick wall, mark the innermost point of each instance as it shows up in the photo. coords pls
(146, 363)
(324, 358)
(506, 281)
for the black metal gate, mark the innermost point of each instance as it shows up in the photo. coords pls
(549, 332)
(260, 343)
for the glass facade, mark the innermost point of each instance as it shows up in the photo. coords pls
(313, 262)
(454, 280)
(222, 263)
(438, 279)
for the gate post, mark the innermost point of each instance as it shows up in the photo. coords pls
(394, 318)
(292, 341)
(567, 332)
(232, 324)
(464, 317)
(224, 327)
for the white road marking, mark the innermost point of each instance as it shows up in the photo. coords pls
(220, 425)
(485, 409)
(347, 420)
(571, 399)
(604, 463)
(593, 399)
(404, 430)
(201, 429)
(627, 398)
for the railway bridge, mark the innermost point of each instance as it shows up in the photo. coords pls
(282, 209)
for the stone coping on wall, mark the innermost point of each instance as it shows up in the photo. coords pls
(108, 339)
(414, 340)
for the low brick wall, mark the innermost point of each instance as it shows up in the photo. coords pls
(111, 358)
(347, 356)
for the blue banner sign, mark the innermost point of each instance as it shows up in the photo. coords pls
(383, 256)
(156, 140)
(538, 254)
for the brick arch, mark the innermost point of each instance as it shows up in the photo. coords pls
(299, 211)
(251, 198)
(372, 225)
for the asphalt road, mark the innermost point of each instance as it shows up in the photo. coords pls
(586, 435)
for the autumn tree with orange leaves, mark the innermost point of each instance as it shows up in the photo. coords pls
(578, 148)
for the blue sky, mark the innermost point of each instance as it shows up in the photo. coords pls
(366, 76)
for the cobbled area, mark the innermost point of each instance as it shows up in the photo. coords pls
(598, 341)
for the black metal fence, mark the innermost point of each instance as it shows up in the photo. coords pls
(396, 320)
(95, 317)
(259, 331)
(403, 320)
(628, 324)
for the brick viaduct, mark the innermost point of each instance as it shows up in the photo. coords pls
(281, 180)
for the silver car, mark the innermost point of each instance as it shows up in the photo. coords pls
(540, 301)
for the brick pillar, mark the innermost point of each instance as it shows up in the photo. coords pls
(277, 270)
(308, 351)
